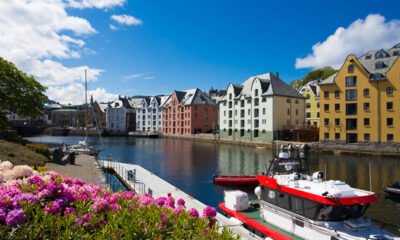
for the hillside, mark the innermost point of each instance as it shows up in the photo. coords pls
(20, 155)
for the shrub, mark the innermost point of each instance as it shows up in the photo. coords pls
(53, 207)
(39, 148)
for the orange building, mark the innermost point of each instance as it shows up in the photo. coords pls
(189, 112)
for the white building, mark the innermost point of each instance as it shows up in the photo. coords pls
(259, 108)
(117, 116)
(149, 114)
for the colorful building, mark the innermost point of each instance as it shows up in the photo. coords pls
(311, 92)
(361, 103)
(189, 112)
(149, 114)
(259, 109)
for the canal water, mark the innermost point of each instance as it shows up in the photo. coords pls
(191, 165)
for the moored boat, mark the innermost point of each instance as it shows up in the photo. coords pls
(394, 188)
(294, 205)
(236, 180)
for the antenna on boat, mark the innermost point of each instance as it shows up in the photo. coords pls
(370, 176)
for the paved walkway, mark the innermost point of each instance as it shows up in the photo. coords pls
(85, 168)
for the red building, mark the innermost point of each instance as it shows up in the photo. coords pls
(189, 112)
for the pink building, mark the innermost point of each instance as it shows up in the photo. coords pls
(189, 112)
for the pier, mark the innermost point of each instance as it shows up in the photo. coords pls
(142, 181)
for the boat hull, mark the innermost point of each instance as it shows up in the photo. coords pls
(236, 180)
(391, 190)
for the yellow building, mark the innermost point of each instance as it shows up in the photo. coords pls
(311, 92)
(361, 103)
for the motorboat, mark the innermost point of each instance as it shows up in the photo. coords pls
(295, 205)
(393, 188)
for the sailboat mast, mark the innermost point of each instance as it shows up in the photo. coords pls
(86, 105)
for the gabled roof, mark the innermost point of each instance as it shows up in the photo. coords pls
(329, 80)
(189, 97)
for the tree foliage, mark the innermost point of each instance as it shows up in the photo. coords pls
(320, 73)
(19, 93)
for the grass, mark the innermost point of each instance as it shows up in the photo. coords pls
(20, 155)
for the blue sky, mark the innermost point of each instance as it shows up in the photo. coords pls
(187, 44)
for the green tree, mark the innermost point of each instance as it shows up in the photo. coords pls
(320, 73)
(19, 93)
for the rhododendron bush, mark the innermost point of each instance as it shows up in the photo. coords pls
(49, 206)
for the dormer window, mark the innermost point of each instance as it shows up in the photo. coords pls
(380, 65)
(368, 56)
(381, 54)
(350, 68)
(396, 53)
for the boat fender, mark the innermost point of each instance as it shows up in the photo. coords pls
(257, 191)
(318, 176)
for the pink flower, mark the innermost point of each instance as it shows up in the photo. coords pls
(84, 220)
(69, 210)
(115, 207)
(209, 212)
(193, 212)
(15, 217)
(178, 210)
(160, 201)
(180, 202)
(99, 205)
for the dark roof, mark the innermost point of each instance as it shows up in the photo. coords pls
(180, 95)
(313, 89)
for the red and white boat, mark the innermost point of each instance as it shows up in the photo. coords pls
(240, 180)
(295, 205)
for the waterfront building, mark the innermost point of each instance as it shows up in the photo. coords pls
(361, 103)
(149, 114)
(259, 108)
(189, 112)
(119, 115)
(68, 117)
(311, 92)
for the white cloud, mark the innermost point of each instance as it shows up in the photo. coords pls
(145, 76)
(371, 33)
(36, 35)
(126, 20)
(104, 4)
(112, 27)
(75, 93)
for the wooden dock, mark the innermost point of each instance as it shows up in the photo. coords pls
(142, 181)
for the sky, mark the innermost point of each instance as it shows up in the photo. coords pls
(151, 47)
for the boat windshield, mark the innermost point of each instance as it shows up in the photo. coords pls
(340, 213)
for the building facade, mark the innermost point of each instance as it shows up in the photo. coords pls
(361, 103)
(259, 108)
(149, 114)
(189, 112)
(119, 115)
(311, 92)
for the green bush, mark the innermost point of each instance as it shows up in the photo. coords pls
(39, 148)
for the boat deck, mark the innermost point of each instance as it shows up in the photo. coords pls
(254, 213)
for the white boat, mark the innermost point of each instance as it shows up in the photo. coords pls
(295, 205)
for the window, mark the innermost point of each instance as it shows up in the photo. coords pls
(317, 104)
(230, 96)
(366, 137)
(351, 95)
(351, 109)
(308, 115)
(351, 81)
(326, 136)
(296, 102)
(308, 96)
(366, 92)
(256, 92)
(297, 205)
(283, 201)
(297, 112)
(337, 121)
(308, 105)
(366, 121)
(229, 105)
(236, 102)
(389, 105)
(380, 65)
(337, 94)
(396, 53)
(326, 107)
(248, 112)
(326, 121)
(389, 137)
(256, 125)
(350, 68)
(317, 114)
(263, 111)
(256, 112)
(242, 124)
(368, 56)
(326, 94)
(255, 133)
(255, 101)
(351, 124)
(288, 100)
(264, 99)
(230, 114)
(242, 113)
(389, 121)
(337, 136)
(288, 111)
(381, 54)
(366, 106)
(235, 113)
(389, 91)
(242, 103)
(337, 107)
